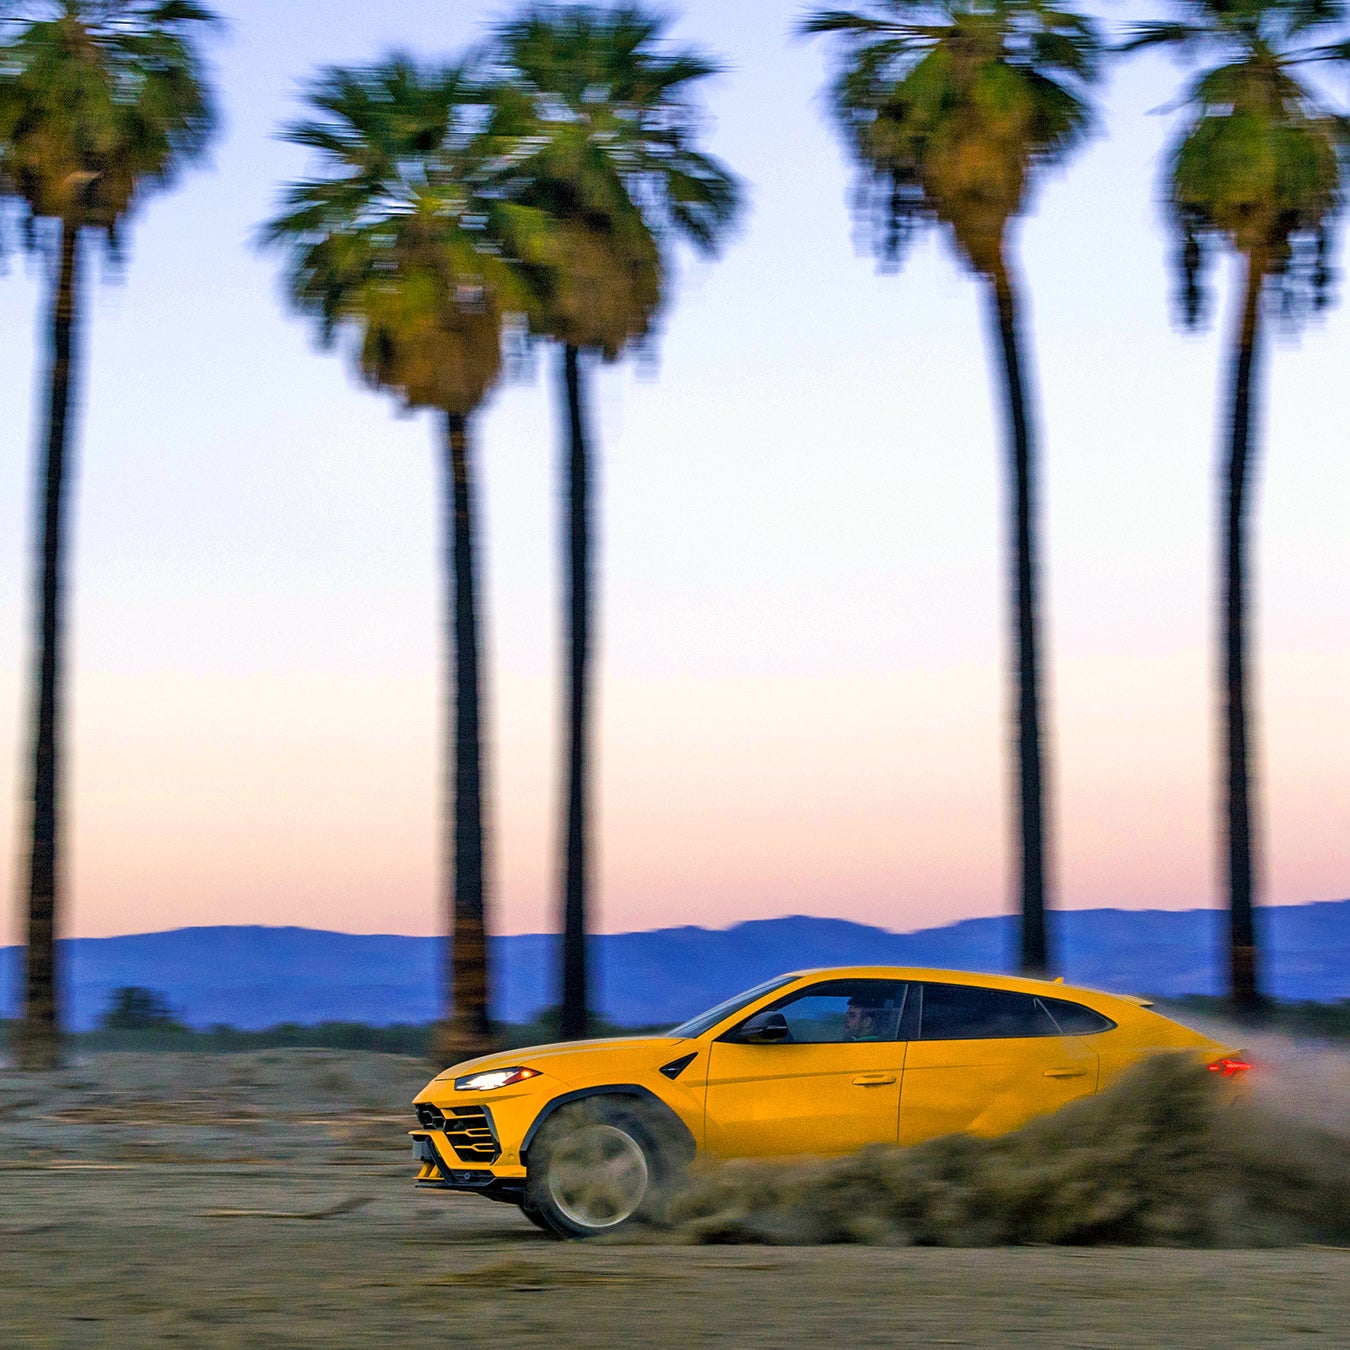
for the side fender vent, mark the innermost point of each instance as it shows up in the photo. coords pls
(677, 1066)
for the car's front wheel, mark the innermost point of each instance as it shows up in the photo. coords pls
(594, 1167)
(533, 1215)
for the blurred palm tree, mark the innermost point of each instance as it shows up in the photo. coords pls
(596, 133)
(1256, 167)
(101, 103)
(391, 241)
(953, 110)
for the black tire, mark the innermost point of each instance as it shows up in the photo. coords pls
(537, 1219)
(597, 1166)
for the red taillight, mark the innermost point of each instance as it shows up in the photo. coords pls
(1229, 1067)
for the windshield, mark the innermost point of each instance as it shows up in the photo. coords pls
(696, 1026)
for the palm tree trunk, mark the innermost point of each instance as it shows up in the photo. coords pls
(469, 1030)
(40, 1035)
(1241, 928)
(575, 1003)
(1034, 955)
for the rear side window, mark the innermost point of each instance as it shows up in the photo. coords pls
(1075, 1020)
(964, 1012)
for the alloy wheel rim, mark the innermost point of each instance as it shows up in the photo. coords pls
(598, 1176)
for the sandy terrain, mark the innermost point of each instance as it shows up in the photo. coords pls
(265, 1199)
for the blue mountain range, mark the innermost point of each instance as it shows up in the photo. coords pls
(253, 977)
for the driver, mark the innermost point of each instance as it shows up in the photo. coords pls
(860, 1021)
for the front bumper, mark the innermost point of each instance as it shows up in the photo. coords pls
(439, 1169)
(479, 1132)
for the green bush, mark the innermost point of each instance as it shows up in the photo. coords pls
(134, 1008)
(1329, 1021)
(1326, 1021)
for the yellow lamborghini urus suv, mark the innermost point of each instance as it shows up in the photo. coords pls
(584, 1136)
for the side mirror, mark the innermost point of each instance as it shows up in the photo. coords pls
(762, 1029)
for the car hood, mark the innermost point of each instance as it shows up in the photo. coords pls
(549, 1058)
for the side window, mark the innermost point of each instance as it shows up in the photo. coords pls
(1075, 1020)
(840, 1011)
(965, 1012)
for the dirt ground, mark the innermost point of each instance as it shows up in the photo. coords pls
(266, 1200)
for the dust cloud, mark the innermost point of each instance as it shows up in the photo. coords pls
(1167, 1156)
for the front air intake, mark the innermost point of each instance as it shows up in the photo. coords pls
(469, 1130)
(430, 1116)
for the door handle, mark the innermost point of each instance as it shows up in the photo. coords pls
(1065, 1073)
(873, 1079)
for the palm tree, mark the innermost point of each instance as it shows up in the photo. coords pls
(391, 243)
(597, 134)
(1256, 167)
(101, 103)
(953, 109)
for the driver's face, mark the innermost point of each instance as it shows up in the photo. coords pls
(857, 1020)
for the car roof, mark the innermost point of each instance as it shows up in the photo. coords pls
(1049, 988)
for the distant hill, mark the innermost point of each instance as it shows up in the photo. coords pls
(252, 977)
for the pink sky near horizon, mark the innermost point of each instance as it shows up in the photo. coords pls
(824, 822)
(802, 699)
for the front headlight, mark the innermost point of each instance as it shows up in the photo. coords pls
(493, 1078)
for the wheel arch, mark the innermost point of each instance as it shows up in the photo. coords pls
(681, 1135)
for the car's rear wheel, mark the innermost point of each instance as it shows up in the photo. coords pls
(594, 1167)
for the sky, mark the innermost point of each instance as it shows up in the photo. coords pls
(802, 702)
